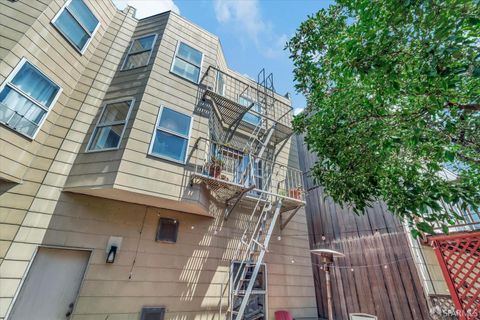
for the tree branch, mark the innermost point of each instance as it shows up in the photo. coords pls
(468, 106)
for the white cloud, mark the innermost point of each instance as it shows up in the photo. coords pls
(245, 13)
(147, 8)
(298, 110)
(245, 18)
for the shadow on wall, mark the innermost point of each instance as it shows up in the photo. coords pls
(189, 277)
(6, 185)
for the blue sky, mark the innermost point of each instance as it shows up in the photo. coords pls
(252, 32)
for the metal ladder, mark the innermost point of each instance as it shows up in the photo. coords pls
(265, 93)
(257, 139)
(257, 247)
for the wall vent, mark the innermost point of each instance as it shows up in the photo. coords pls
(152, 313)
(167, 230)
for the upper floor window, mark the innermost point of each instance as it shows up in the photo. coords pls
(110, 126)
(171, 136)
(220, 84)
(139, 52)
(187, 62)
(26, 97)
(250, 117)
(77, 23)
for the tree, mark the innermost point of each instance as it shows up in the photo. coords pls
(393, 98)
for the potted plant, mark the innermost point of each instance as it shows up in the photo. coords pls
(295, 193)
(215, 167)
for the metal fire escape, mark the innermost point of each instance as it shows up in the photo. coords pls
(254, 173)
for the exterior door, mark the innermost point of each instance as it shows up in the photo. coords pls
(51, 286)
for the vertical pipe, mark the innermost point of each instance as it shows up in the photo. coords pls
(329, 291)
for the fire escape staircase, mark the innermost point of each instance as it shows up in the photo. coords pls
(268, 206)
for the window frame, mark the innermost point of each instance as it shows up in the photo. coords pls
(130, 48)
(62, 9)
(179, 42)
(254, 291)
(220, 75)
(188, 138)
(248, 112)
(7, 82)
(104, 106)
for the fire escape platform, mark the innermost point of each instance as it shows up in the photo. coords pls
(225, 191)
(231, 113)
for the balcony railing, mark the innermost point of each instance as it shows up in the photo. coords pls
(470, 221)
(240, 104)
(227, 171)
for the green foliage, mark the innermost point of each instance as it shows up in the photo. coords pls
(393, 92)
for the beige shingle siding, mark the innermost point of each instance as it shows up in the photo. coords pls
(188, 276)
(42, 164)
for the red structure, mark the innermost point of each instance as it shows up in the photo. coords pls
(459, 258)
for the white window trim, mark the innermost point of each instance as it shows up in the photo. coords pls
(255, 115)
(220, 74)
(264, 292)
(130, 48)
(104, 105)
(55, 18)
(52, 104)
(175, 57)
(150, 149)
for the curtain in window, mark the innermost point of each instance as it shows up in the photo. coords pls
(25, 100)
(33, 83)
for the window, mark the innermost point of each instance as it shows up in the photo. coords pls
(171, 136)
(220, 83)
(187, 62)
(26, 97)
(76, 22)
(250, 117)
(111, 125)
(139, 52)
(167, 230)
(256, 307)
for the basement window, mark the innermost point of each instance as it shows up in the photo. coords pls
(26, 97)
(76, 22)
(139, 52)
(187, 62)
(152, 313)
(171, 136)
(167, 230)
(111, 125)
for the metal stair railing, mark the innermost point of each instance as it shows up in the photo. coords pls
(256, 246)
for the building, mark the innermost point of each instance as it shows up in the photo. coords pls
(140, 177)
(386, 273)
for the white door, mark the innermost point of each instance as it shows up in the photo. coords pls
(51, 286)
